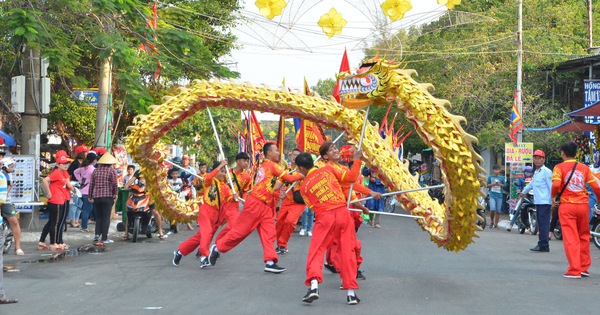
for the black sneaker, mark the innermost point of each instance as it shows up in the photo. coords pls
(331, 268)
(198, 254)
(352, 300)
(176, 257)
(360, 276)
(204, 262)
(311, 295)
(274, 268)
(214, 255)
(281, 250)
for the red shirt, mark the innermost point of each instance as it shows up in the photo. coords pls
(358, 186)
(216, 193)
(575, 192)
(242, 181)
(58, 186)
(266, 177)
(322, 189)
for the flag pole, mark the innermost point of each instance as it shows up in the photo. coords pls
(212, 123)
(400, 192)
(391, 214)
(362, 136)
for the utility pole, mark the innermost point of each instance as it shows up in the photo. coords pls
(591, 38)
(104, 112)
(31, 118)
(520, 67)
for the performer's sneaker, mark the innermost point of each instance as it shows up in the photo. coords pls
(570, 276)
(214, 255)
(274, 268)
(176, 257)
(360, 276)
(204, 262)
(352, 300)
(311, 295)
(331, 268)
(281, 250)
(585, 274)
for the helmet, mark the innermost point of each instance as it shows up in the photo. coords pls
(539, 152)
(528, 169)
(7, 161)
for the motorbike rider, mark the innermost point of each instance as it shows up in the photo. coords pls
(521, 183)
(541, 184)
(138, 179)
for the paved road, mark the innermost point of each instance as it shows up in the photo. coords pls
(406, 274)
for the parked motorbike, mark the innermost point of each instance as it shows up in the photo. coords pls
(481, 221)
(595, 223)
(139, 214)
(527, 218)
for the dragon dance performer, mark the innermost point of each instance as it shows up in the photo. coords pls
(323, 193)
(330, 155)
(258, 212)
(291, 209)
(217, 197)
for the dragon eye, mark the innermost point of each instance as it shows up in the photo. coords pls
(366, 81)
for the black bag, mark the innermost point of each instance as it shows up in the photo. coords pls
(298, 197)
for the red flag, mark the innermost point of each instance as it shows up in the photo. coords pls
(258, 140)
(344, 67)
(516, 124)
(281, 134)
(150, 46)
(309, 136)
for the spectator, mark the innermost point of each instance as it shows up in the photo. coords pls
(495, 183)
(377, 186)
(80, 154)
(84, 176)
(8, 209)
(103, 193)
(3, 200)
(129, 175)
(541, 185)
(307, 222)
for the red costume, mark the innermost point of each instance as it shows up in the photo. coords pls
(213, 212)
(323, 193)
(573, 213)
(258, 212)
(288, 216)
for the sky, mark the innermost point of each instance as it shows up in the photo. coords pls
(292, 46)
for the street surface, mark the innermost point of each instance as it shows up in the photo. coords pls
(406, 274)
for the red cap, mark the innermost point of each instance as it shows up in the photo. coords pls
(80, 149)
(62, 157)
(100, 150)
(539, 153)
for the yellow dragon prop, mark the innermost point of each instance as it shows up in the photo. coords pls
(451, 225)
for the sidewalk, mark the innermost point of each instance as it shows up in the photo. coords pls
(73, 237)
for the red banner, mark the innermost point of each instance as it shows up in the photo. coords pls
(309, 137)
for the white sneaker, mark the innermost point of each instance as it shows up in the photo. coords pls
(309, 233)
(302, 232)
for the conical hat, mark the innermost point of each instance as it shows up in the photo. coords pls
(107, 158)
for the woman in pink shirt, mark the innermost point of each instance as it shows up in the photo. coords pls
(84, 175)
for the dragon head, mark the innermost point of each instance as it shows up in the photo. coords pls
(370, 85)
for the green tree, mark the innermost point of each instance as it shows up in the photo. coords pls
(470, 57)
(76, 35)
(324, 87)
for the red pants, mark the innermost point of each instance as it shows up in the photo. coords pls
(333, 256)
(209, 221)
(229, 214)
(334, 225)
(289, 213)
(256, 215)
(576, 236)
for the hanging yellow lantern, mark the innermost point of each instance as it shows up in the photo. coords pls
(332, 23)
(270, 8)
(395, 9)
(449, 3)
